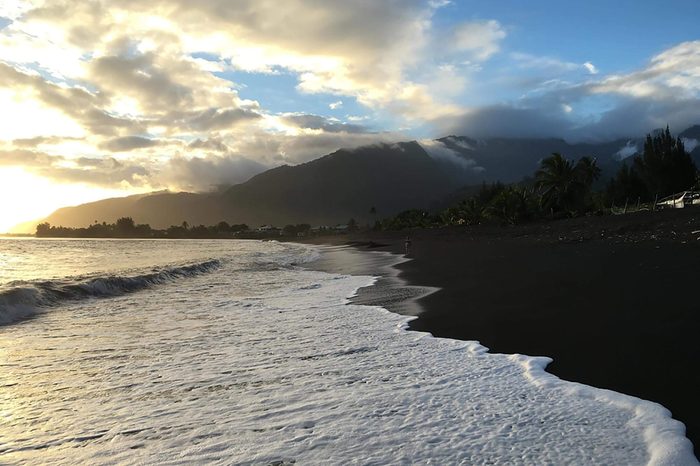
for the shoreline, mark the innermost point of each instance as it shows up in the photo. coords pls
(389, 291)
(610, 300)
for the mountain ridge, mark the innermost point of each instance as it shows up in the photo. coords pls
(331, 189)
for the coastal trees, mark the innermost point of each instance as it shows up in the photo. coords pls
(43, 229)
(565, 187)
(513, 205)
(125, 226)
(556, 181)
(626, 185)
(587, 172)
(412, 218)
(663, 168)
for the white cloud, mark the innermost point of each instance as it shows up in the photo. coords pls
(439, 3)
(481, 39)
(627, 150)
(674, 73)
(440, 151)
(335, 105)
(665, 92)
(690, 144)
(590, 67)
(527, 60)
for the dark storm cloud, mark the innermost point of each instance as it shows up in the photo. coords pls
(505, 121)
(632, 117)
(665, 92)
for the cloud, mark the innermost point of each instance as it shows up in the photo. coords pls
(76, 103)
(128, 143)
(439, 151)
(27, 158)
(213, 145)
(102, 171)
(674, 73)
(118, 80)
(207, 173)
(590, 67)
(627, 150)
(219, 118)
(506, 121)
(139, 84)
(665, 92)
(480, 39)
(551, 64)
(281, 148)
(140, 77)
(321, 123)
(690, 144)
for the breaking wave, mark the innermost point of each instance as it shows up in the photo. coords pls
(20, 300)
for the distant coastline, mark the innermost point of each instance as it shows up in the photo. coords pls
(125, 227)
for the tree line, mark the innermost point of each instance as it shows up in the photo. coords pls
(125, 227)
(561, 188)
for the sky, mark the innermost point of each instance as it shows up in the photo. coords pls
(103, 99)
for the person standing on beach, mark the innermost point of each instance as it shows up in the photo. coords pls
(407, 244)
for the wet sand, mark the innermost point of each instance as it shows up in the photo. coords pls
(615, 301)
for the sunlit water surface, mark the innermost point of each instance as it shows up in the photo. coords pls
(256, 361)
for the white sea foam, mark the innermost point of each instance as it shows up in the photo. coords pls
(257, 363)
(19, 300)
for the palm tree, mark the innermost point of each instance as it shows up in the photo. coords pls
(587, 171)
(557, 181)
(512, 205)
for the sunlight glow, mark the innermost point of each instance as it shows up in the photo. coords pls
(25, 197)
(29, 118)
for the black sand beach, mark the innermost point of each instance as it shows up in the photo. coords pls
(613, 300)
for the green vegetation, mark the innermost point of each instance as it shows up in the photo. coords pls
(125, 227)
(559, 188)
(664, 168)
(562, 188)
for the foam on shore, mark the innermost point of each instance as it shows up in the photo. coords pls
(664, 436)
(262, 362)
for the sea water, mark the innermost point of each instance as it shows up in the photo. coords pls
(228, 352)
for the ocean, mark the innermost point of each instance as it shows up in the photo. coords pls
(238, 352)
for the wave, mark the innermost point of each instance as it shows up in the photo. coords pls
(22, 299)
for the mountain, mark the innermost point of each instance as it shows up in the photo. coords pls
(325, 191)
(348, 183)
(510, 159)
(160, 209)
